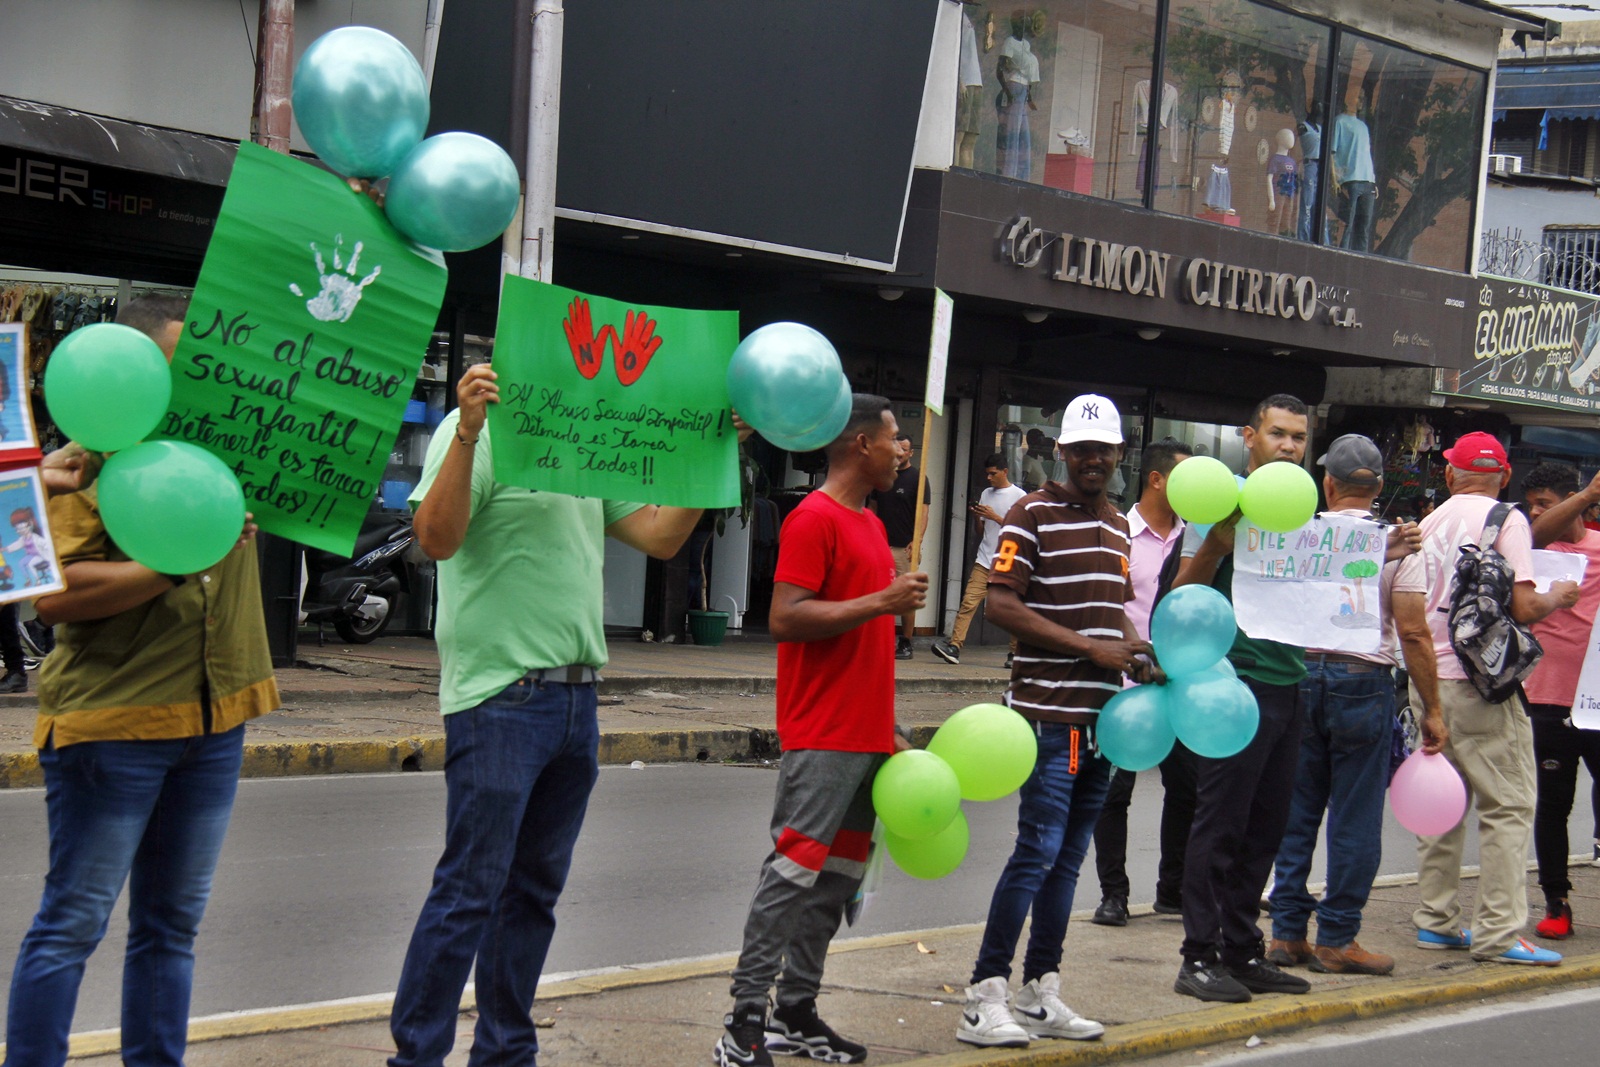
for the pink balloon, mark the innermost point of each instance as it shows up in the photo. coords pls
(1427, 795)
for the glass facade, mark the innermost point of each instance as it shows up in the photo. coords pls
(1261, 116)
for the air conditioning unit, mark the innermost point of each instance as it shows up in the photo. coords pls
(1505, 164)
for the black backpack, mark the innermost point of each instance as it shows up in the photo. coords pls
(1496, 651)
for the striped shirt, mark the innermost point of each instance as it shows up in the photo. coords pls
(1067, 558)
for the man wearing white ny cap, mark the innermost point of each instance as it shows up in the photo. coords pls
(1058, 583)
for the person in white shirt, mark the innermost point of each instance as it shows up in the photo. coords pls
(990, 512)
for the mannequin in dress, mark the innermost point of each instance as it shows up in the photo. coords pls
(1219, 186)
(1018, 71)
(1283, 187)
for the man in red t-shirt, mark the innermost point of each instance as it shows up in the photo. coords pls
(833, 608)
(1557, 507)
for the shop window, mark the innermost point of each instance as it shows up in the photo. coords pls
(1026, 436)
(1059, 94)
(1245, 143)
(1571, 258)
(1225, 443)
(1403, 154)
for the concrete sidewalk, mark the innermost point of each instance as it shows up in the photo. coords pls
(902, 994)
(374, 708)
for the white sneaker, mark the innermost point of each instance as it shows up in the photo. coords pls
(1042, 1014)
(987, 1021)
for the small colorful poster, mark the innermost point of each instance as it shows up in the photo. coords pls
(604, 398)
(29, 568)
(305, 332)
(1315, 587)
(1586, 702)
(19, 441)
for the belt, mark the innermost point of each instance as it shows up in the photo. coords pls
(1341, 657)
(576, 674)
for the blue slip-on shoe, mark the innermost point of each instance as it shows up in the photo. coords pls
(1525, 951)
(1429, 939)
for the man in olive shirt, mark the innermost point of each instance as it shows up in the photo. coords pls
(142, 706)
(1242, 801)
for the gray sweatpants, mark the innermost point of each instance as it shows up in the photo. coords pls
(822, 836)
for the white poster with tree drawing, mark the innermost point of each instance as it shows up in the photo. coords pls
(1315, 587)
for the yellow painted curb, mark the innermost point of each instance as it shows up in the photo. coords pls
(1238, 1022)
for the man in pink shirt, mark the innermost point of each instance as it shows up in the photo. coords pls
(1557, 508)
(1490, 745)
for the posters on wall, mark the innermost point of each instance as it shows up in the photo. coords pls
(1315, 587)
(19, 440)
(1531, 344)
(305, 331)
(605, 398)
(29, 567)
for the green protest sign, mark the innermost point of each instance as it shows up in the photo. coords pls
(307, 325)
(604, 398)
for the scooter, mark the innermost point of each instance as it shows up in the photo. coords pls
(357, 593)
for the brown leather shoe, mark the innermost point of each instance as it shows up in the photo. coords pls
(1350, 959)
(1288, 953)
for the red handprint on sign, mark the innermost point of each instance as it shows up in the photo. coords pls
(634, 349)
(587, 352)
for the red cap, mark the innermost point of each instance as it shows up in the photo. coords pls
(1478, 453)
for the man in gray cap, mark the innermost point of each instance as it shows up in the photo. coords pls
(1349, 701)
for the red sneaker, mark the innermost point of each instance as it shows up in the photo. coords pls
(1557, 922)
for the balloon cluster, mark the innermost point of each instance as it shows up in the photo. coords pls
(362, 103)
(982, 752)
(1277, 497)
(173, 507)
(785, 380)
(1203, 704)
(1427, 795)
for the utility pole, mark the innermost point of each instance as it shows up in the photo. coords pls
(271, 112)
(529, 249)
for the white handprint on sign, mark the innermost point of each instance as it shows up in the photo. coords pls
(341, 292)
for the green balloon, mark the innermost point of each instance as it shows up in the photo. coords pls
(174, 507)
(1202, 489)
(990, 747)
(932, 857)
(916, 794)
(1279, 497)
(107, 386)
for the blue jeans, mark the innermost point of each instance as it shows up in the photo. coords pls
(1362, 213)
(1060, 804)
(153, 814)
(518, 771)
(1343, 769)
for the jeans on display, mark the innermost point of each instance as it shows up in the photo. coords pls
(1360, 214)
(1060, 804)
(1177, 813)
(1344, 770)
(1558, 748)
(153, 814)
(1014, 137)
(1241, 806)
(518, 771)
(1310, 182)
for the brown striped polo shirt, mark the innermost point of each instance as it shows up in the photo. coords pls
(1067, 558)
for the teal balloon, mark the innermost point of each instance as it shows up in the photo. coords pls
(1192, 628)
(785, 380)
(1133, 730)
(991, 748)
(454, 192)
(829, 428)
(916, 794)
(172, 506)
(1213, 715)
(107, 386)
(930, 857)
(361, 100)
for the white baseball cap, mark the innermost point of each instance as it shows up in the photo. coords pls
(1091, 417)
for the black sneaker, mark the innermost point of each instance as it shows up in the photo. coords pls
(1166, 907)
(743, 1042)
(796, 1031)
(1008, 660)
(902, 648)
(1209, 982)
(1113, 911)
(1259, 976)
(946, 651)
(14, 682)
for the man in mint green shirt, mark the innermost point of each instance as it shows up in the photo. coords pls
(520, 639)
(1242, 801)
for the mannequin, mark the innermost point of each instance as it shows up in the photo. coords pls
(1283, 186)
(1018, 71)
(1351, 159)
(1139, 137)
(1219, 186)
(1310, 167)
(969, 92)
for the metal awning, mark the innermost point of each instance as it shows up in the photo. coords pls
(77, 135)
(1561, 90)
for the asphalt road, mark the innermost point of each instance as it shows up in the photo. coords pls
(321, 880)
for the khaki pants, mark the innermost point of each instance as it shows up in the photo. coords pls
(1491, 745)
(977, 590)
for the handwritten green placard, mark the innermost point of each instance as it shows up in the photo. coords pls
(604, 398)
(302, 344)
